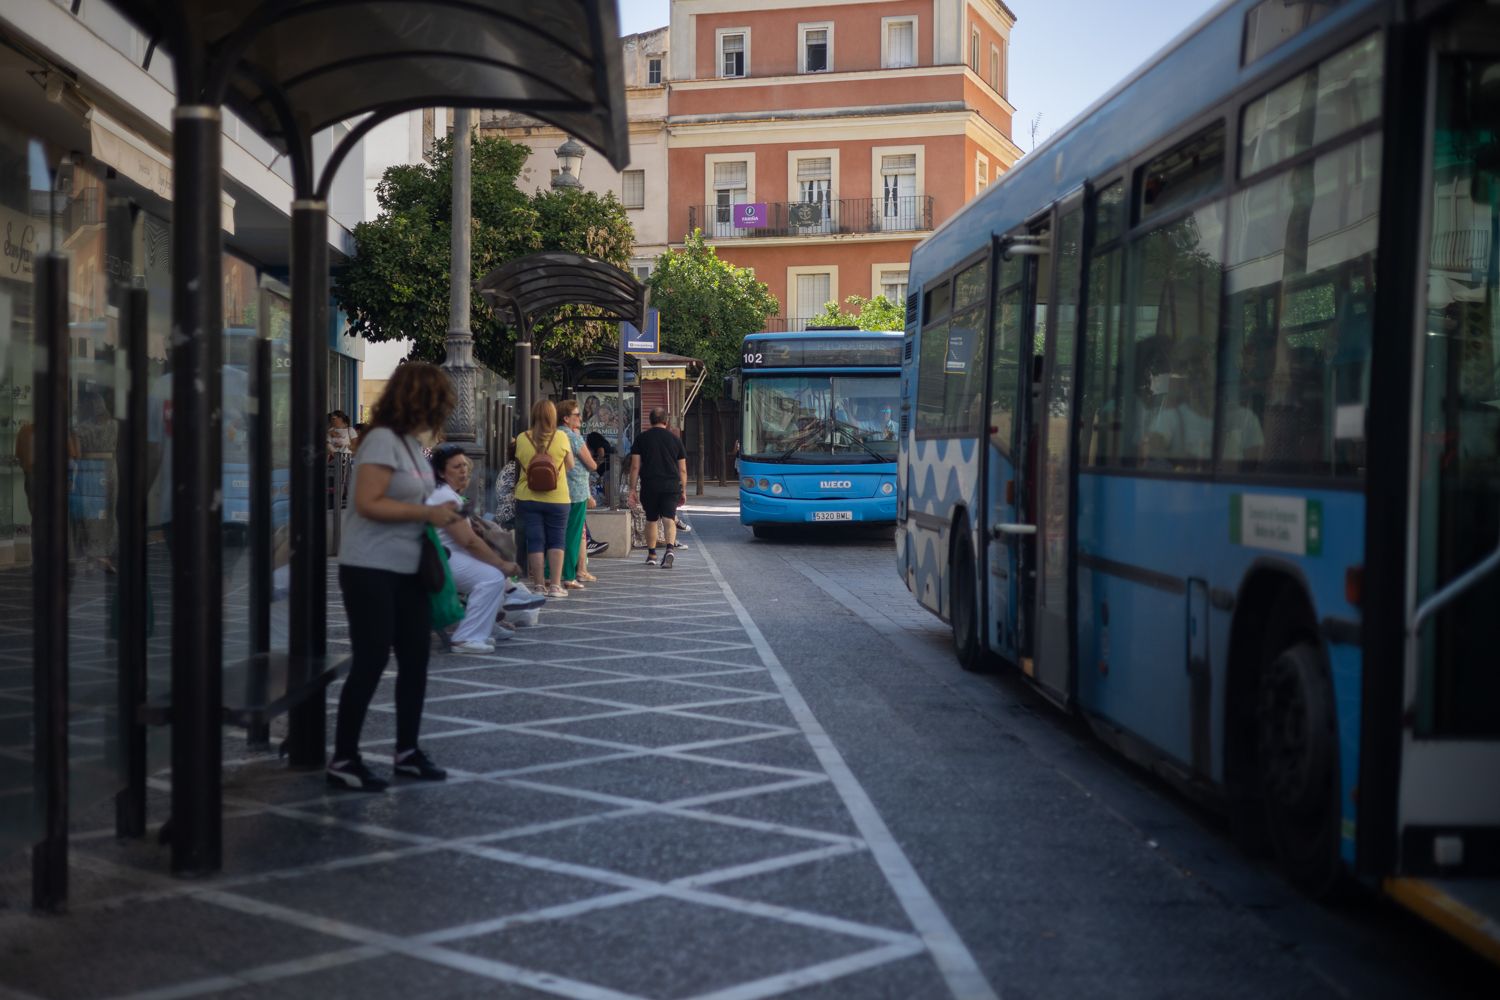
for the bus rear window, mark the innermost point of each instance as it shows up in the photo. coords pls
(939, 300)
(1183, 174)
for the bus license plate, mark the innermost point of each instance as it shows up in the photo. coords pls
(833, 515)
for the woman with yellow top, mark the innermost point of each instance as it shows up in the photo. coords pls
(544, 513)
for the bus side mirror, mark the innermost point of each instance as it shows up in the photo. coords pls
(731, 387)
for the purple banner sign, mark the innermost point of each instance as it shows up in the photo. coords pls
(752, 216)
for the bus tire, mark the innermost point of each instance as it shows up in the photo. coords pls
(963, 606)
(762, 531)
(1297, 765)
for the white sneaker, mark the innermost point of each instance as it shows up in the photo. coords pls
(501, 633)
(473, 648)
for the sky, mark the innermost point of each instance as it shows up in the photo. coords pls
(1064, 54)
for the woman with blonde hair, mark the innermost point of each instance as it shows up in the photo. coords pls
(575, 558)
(543, 457)
(384, 599)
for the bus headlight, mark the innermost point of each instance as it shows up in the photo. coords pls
(776, 488)
(748, 482)
(887, 488)
(765, 484)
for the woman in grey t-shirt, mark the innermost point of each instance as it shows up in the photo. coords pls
(382, 544)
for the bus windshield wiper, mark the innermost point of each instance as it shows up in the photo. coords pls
(849, 429)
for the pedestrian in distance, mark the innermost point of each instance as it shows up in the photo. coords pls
(658, 481)
(387, 605)
(575, 569)
(543, 504)
(478, 570)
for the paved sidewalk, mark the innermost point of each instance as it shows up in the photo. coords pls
(640, 805)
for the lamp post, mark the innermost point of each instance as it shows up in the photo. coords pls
(459, 363)
(570, 165)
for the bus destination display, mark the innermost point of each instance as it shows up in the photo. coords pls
(830, 353)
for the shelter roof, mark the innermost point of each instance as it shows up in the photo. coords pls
(326, 61)
(529, 286)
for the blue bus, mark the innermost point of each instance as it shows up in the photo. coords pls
(820, 429)
(1200, 431)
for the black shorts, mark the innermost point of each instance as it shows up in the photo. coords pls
(660, 504)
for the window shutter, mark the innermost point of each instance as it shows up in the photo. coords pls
(730, 175)
(904, 163)
(816, 169)
(901, 50)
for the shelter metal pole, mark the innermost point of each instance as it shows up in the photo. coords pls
(702, 430)
(257, 677)
(620, 441)
(308, 626)
(523, 376)
(132, 601)
(197, 457)
(536, 376)
(49, 574)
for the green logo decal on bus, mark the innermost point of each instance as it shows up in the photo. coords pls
(1282, 524)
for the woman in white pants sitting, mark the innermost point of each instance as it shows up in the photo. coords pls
(478, 570)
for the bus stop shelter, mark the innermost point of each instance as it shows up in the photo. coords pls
(288, 69)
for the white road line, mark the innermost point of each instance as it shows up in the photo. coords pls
(953, 958)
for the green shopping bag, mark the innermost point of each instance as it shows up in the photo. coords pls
(447, 609)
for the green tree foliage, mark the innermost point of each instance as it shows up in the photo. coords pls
(707, 307)
(879, 313)
(397, 285)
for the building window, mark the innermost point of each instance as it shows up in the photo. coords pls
(981, 174)
(633, 188)
(653, 72)
(733, 53)
(1001, 87)
(893, 286)
(814, 291)
(815, 188)
(553, 174)
(730, 189)
(641, 269)
(974, 49)
(898, 202)
(816, 49)
(995, 68)
(900, 42)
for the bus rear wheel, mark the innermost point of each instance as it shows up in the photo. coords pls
(1297, 763)
(963, 606)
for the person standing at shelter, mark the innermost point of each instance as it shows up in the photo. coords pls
(658, 481)
(575, 559)
(543, 457)
(387, 605)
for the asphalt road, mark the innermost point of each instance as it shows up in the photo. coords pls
(1064, 870)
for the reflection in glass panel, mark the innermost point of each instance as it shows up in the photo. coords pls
(97, 389)
(822, 418)
(1340, 93)
(1299, 289)
(1005, 361)
(1101, 441)
(930, 379)
(1184, 173)
(1459, 473)
(1109, 219)
(1056, 410)
(239, 405)
(1174, 320)
(22, 165)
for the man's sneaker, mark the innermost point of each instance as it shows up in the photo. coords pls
(597, 547)
(683, 527)
(502, 631)
(352, 774)
(416, 764)
(667, 559)
(679, 546)
(473, 648)
(651, 560)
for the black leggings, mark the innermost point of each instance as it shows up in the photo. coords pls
(385, 610)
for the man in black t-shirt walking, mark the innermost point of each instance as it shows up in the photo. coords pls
(658, 481)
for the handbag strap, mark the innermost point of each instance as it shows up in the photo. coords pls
(416, 466)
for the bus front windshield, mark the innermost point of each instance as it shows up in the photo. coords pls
(822, 418)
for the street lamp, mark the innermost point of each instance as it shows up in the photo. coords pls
(570, 162)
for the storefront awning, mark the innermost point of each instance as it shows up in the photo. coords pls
(327, 61)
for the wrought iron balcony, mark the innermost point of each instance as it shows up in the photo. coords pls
(912, 213)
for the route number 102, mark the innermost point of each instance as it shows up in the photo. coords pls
(754, 358)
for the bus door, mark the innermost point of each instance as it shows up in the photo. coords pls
(1449, 796)
(1052, 423)
(1009, 363)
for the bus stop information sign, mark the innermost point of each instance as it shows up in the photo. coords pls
(647, 341)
